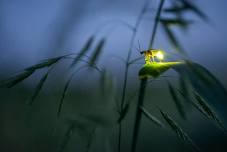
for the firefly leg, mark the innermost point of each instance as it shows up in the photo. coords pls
(147, 59)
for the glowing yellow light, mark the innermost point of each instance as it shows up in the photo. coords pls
(160, 55)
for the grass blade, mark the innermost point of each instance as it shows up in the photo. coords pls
(45, 63)
(66, 89)
(177, 129)
(63, 97)
(83, 51)
(97, 51)
(11, 82)
(210, 114)
(154, 119)
(186, 5)
(29, 71)
(177, 101)
(184, 87)
(173, 40)
(195, 9)
(38, 88)
(138, 113)
(205, 84)
(201, 108)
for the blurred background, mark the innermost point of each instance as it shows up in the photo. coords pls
(35, 30)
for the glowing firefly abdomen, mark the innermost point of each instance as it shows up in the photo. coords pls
(151, 54)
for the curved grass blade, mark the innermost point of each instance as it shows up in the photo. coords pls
(207, 77)
(45, 63)
(38, 88)
(173, 40)
(184, 87)
(65, 90)
(210, 114)
(200, 108)
(195, 9)
(11, 82)
(184, 6)
(83, 51)
(63, 96)
(29, 71)
(154, 119)
(177, 101)
(205, 84)
(97, 51)
(180, 133)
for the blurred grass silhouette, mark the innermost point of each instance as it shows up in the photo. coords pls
(95, 112)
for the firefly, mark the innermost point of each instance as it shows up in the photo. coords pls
(152, 54)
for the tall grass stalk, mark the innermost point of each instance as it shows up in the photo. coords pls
(157, 17)
(143, 83)
(138, 112)
(138, 21)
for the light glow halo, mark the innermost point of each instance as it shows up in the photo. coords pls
(160, 55)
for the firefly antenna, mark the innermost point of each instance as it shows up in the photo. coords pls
(138, 49)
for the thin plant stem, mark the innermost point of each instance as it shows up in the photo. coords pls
(143, 84)
(141, 96)
(157, 16)
(127, 68)
(130, 52)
